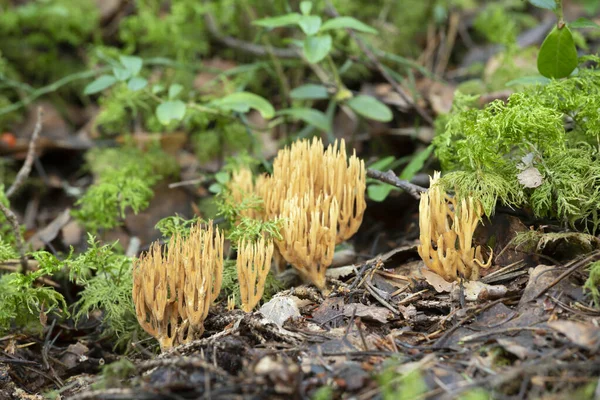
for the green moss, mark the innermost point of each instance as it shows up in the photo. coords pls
(553, 125)
(125, 180)
(32, 36)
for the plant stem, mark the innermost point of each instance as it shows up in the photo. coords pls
(559, 14)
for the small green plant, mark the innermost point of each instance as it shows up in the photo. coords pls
(125, 177)
(592, 284)
(107, 281)
(24, 300)
(405, 385)
(558, 54)
(316, 48)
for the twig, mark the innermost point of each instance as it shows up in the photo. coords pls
(14, 223)
(363, 46)
(576, 265)
(391, 178)
(247, 46)
(26, 168)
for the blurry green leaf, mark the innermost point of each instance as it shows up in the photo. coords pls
(122, 74)
(547, 4)
(222, 177)
(101, 83)
(529, 80)
(306, 7)
(347, 22)
(310, 24)
(215, 188)
(157, 88)
(309, 91)
(310, 116)
(174, 90)
(275, 22)
(583, 23)
(379, 191)
(558, 55)
(416, 164)
(169, 110)
(383, 164)
(371, 108)
(132, 64)
(316, 48)
(137, 83)
(244, 101)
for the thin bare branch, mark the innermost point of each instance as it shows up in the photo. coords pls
(391, 178)
(373, 58)
(14, 223)
(247, 46)
(26, 168)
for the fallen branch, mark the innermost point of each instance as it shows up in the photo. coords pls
(14, 223)
(21, 176)
(391, 178)
(247, 46)
(373, 58)
(26, 168)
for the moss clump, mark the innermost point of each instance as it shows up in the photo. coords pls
(124, 181)
(554, 129)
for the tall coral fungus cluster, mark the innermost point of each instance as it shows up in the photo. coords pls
(172, 292)
(447, 229)
(319, 195)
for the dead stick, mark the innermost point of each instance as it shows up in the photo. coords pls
(391, 178)
(26, 168)
(14, 223)
(382, 70)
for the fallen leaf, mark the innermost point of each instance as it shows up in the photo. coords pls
(530, 178)
(374, 313)
(581, 334)
(280, 308)
(439, 284)
(49, 233)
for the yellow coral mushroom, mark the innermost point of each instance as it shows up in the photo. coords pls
(320, 196)
(253, 265)
(446, 234)
(172, 292)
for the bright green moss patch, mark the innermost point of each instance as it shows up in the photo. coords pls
(554, 129)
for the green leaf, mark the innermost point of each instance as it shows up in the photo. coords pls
(382, 164)
(122, 74)
(583, 23)
(169, 110)
(215, 188)
(276, 22)
(347, 22)
(137, 83)
(316, 48)
(529, 80)
(174, 90)
(309, 91)
(378, 192)
(371, 108)
(416, 164)
(222, 177)
(306, 7)
(547, 4)
(558, 55)
(310, 116)
(132, 64)
(157, 88)
(101, 83)
(243, 102)
(310, 24)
